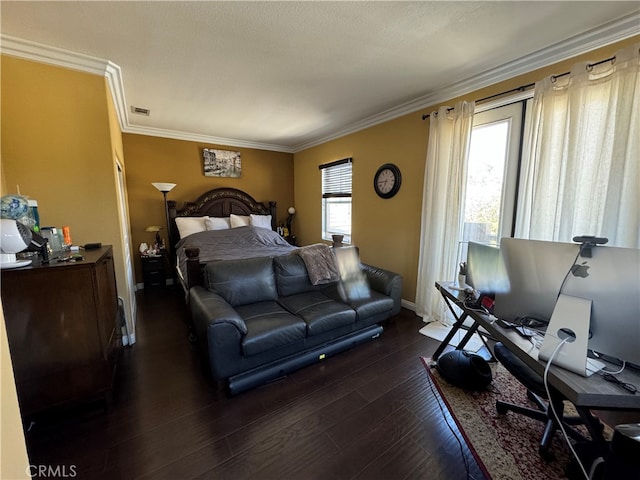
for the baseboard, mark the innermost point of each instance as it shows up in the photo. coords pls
(408, 305)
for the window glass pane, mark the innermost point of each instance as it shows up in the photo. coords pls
(336, 200)
(485, 176)
(490, 190)
(337, 218)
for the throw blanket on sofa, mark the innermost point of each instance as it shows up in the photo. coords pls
(320, 263)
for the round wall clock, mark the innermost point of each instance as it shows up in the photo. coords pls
(387, 180)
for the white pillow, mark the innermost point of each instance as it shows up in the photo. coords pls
(262, 221)
(239, 220)
(190, 225)
(217, 223)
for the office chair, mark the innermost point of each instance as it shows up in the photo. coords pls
(536, 393)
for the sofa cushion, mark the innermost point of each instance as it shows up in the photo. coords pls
(375, 304)
(269, 326)
(291, 275)
(242, 282)
(319, 312)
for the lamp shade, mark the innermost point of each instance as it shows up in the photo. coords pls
(291, 210)
(14, 236)
(153, 228)
(164, 187)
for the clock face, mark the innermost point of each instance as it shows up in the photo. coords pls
(386, 181)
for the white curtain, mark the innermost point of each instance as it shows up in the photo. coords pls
(444, 180)
(581, 158)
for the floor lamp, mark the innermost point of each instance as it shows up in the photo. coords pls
(166, 188)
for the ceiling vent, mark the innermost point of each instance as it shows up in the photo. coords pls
(140, 111)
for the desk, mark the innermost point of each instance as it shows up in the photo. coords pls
(585, 393)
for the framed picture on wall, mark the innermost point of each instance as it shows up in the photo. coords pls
(221, 163)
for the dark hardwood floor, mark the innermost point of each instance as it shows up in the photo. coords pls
(363, 414)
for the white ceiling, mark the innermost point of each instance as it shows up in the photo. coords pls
(288, 75)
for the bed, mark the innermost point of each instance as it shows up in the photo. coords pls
(222, 224)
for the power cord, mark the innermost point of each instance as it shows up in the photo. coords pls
(564, 280)
(455, 435)
(617, 372)
(629, 387)
(555, 414)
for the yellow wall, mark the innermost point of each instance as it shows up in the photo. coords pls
(56, 146)
(266, 176)
(388, 231)
(59, 139)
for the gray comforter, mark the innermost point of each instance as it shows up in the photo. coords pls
(232, 244)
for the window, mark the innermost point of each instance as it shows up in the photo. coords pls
(336, 199)
(492, 174)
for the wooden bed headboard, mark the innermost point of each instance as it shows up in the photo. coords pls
(219, 202)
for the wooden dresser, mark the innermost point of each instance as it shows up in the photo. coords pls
(61, 324)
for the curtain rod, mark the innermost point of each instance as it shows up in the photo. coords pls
(522, 88)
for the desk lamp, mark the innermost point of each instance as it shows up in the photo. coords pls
(292, 212)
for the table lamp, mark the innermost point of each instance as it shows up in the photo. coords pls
(156, 229)
(292, 212)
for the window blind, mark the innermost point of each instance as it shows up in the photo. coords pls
(336, 179)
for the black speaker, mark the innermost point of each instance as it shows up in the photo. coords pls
(465, 370)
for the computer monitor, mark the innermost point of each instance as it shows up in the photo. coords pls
(485, 269)
(611, 280)
(539, 271)
(535, 270)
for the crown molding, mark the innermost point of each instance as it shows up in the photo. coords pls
(606, 34)
(38, 52)
(200, 138)
(113, 74)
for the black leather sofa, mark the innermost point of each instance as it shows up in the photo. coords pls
(258, 319)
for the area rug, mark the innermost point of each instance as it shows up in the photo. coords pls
(506, 446)
(438, 331)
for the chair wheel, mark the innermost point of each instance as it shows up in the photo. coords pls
(501, 408)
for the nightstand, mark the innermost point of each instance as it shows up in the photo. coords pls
(154, 273)
(292, 240)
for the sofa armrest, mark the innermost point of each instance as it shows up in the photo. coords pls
(209, 308)
(386, 282)
(219, 329)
